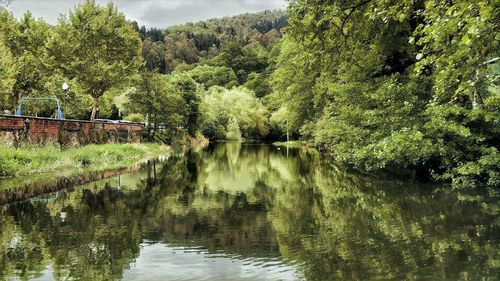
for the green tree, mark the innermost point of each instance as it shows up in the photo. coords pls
(233, 130)
(210, 76)
(104, 50)
(190, 92)
(154, 55)
(395, 84)
(220, 106)
(179, 49)
(161, 103)
(259, 83)
(293, 82)
(459, 44)
(243, 60)
(7, 77)
(26, 41)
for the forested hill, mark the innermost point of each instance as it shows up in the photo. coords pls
(202, 42)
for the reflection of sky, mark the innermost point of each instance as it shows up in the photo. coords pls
(162, 262)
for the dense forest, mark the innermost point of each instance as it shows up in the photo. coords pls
(378, 85)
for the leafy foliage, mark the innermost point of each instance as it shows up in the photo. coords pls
(395, 84)
(241, 43)
(7, 75)
(160, 102)
(209, 76)
(104, 49)
(226, 113)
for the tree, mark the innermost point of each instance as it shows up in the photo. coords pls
(220, 106)
(103, 52)
(233, 130)
(154, 55)
(7, 77)
(179, 49)
(190, 93)
(160, 102)
(26, 41)
(210, 76)
(243, 60)
(459, 45)
(259, 83)
(395, 85)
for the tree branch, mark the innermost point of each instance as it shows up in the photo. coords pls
(358, 5)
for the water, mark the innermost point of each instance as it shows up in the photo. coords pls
(251, 212)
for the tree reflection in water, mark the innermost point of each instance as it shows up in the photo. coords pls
(274, 215)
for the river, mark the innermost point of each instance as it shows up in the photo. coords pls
(237, 211)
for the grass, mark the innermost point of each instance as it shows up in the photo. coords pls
(293, 144)
(66, 162)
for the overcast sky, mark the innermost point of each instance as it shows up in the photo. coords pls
(151, 13)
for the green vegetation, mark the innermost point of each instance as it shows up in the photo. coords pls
(396, 85)
(393, 86)
(233, 112)
(292, 143)
(36, 160)
(131, 78)
(95, 67)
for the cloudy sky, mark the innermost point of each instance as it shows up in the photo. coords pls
(152, 13)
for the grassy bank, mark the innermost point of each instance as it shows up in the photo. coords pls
(50, 159)
(303, 144)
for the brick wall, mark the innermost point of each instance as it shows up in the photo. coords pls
(36, 130)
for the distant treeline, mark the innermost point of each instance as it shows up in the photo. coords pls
(205, 42)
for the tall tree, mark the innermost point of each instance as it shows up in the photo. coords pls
(180, 49)
(459, 44)
(7, 77)
(160, 101)
(98, 47)
(26, 39)
(396, 84)
(154, 55)
(189, 90)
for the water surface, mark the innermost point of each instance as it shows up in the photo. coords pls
(251, 212)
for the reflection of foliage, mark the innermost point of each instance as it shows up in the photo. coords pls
(256, 201)
(364, 228)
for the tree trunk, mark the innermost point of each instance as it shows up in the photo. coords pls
(287, 133)
(94, 108)
(149, 124)
(155, 127)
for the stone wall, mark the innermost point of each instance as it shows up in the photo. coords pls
(15, 130)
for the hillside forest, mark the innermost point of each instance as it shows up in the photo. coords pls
(397, 87)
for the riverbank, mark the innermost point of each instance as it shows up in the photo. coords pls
(298, 144)
(66, 162)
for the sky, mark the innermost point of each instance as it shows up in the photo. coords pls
(151, 13)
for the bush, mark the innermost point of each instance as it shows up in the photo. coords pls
(136, 117)
(7, 166)
(233, 130)
(220, 106)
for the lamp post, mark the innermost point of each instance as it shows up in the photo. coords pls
(65, 88)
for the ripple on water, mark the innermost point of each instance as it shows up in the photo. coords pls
(163, 262)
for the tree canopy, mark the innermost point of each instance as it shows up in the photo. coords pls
(396, 85)
(103, 51)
